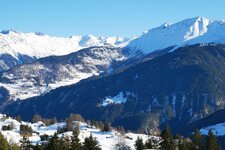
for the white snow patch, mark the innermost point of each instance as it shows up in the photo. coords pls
(118, 99)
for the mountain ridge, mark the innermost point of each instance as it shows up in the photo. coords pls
(178, 87)
(187, 32)
(18, 48)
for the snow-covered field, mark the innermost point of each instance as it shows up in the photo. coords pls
(107, 140)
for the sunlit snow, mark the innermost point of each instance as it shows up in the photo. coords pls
(107, 140)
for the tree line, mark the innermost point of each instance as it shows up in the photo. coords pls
(169, 142)
(166, 140)
(53, 143)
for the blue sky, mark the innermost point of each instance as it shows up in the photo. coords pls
(101, 17)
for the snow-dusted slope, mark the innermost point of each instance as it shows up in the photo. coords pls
(21, 46)
(48, 73)
(186, 32)
(107, 140)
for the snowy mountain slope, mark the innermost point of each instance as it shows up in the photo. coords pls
(26, 47)
(177, 88)
(187, 32)
(107, 140)
(48, 73)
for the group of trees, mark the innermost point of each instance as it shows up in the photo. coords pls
(7, 127)
(170, 142)
(25, 130)
(139, 145)
(37, 118)
(167, 141)
(72, 143)
(53, 143)
(75, 117)
(103, 126)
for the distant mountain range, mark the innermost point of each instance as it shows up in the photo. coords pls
(18, 48)
(175, 88)
(172, 74)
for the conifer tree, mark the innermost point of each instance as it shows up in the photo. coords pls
(211, 143)
(148, 144)
(183, 146)
(182, 143)
(197, 140)
(75, 141)
(139, 144)
(4, 145)
(14, 146)
(25, 143)
(90, 143)
(106, 127)
(54, 143)
(38, 147)
(64, 143)
(167, 139)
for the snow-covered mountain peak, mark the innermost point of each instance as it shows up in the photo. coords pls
(198, 18)
(186, 32)
(8, 31)
(18, 47)
(165, 25)
(40, 45)
(39, 33)
(197, 27)
(90, 40)
(200, 22)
